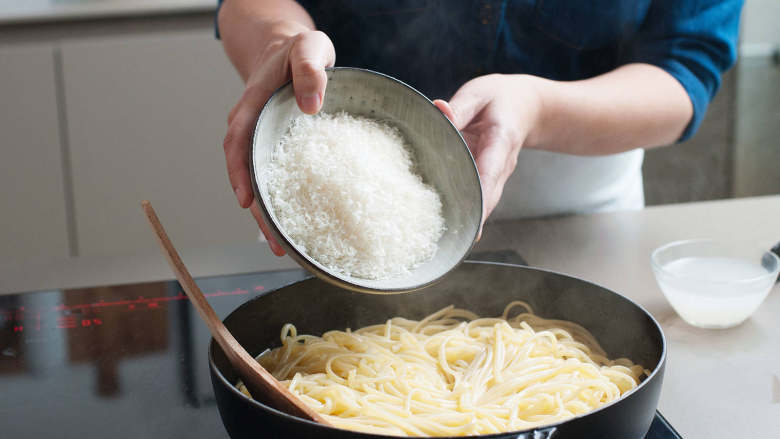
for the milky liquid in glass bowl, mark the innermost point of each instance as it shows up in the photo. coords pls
(714, 292)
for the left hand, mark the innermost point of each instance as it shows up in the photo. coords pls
(495, 114)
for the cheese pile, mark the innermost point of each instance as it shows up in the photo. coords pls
(344, 189)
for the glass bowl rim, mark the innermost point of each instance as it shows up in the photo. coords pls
(657, 268)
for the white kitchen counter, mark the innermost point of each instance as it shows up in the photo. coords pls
(30, 11)
(718, 383)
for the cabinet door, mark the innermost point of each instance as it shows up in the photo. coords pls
(146, 117)
(33, 225)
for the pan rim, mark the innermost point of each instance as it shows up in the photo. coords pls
(549, 427)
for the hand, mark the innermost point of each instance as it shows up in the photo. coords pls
(495, 114)
(296, 52)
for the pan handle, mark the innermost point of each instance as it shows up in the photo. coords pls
(544, 433)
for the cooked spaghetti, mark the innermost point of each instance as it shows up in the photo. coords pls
(451, 373)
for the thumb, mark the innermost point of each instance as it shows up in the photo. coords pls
(311, 53)
(462, 108)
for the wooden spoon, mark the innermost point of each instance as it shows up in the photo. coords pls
(258, 380)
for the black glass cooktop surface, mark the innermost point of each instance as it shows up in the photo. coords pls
(126, 361)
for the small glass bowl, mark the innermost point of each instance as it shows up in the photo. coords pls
(713, 284)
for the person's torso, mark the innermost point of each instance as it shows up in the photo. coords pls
(545, 183)
(437, 45)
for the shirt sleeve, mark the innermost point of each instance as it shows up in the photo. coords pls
(216, 20)
(694, 41)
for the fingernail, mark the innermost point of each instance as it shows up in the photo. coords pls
(239, 195)
(310, 102)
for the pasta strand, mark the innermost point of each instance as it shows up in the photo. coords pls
(451, 373)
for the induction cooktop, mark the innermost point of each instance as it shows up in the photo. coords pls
(124, 361)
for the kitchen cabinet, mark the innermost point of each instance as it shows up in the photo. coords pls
(146, 116)
(33, 218)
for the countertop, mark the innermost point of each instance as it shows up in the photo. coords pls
(718, 383)
(32, 11)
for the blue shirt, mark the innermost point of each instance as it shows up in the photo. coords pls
(438, 45)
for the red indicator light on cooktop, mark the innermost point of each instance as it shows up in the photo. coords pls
(79, 315)
(66, 322)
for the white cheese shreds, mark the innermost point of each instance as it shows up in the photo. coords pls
(344, 190)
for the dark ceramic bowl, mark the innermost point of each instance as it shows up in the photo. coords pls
(441, 156)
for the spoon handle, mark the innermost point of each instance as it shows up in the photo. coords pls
(258, 380)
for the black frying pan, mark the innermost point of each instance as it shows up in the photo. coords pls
(622, 327)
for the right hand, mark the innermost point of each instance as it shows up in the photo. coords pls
(300, 53)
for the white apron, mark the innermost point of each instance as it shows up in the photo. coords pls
(547, 183)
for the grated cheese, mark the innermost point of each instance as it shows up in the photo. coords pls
(344, 189)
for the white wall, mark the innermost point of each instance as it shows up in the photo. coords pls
(757, 121)
(760, 27)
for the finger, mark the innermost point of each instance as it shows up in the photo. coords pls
(272, 243)
(237, 139)
(494, 164)
(309, 55)
(465, 105)
(232, 113)
(445, 108)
